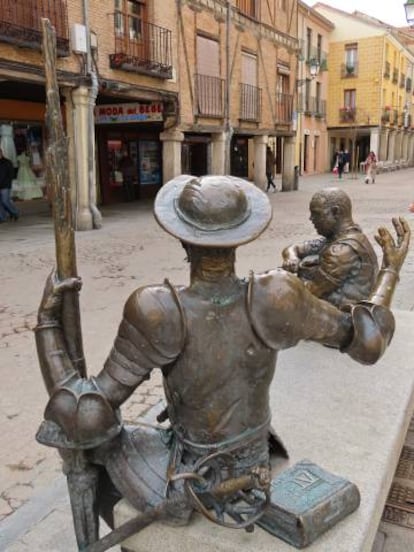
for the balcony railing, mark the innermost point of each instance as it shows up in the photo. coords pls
(387, 70)
(349, 70)
(386, 116)
(20, 23)
(251, 8)
(146, 51)
(250, 102)
(312, 105)
(284, 107)
(320, 111)
(309, 104)
(320, 55)
(209, 96)
(347, 115)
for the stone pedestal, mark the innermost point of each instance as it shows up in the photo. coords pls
(348, 418)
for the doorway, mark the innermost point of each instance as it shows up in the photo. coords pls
(194, 155)
(239, 159)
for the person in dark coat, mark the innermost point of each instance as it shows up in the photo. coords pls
(270, 167)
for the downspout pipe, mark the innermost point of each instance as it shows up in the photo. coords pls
(93, 93)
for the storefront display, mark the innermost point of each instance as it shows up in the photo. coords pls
(22, 143)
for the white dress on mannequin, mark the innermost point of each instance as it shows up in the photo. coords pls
(26, 185)
(7, 143)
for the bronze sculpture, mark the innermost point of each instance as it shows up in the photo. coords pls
(341, 266)
(216, 342)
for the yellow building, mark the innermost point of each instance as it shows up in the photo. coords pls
(312, 135)
(370, 89)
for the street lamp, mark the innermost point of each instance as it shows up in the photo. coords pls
(314, 67)
(409, 11)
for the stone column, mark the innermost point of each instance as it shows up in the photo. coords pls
(82, 212)
(260, 161)
(383, 145)
(404, 150)
(218, 145)
(397, 145)
(171, 153)
(374, 141)
(391, 146)
(288, 174)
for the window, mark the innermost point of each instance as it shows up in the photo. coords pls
(208, 83)
(319, 48)
(351, 56)
(208, 62)
(308, 43)
(250, 94)
(350, 99)
(129, 18)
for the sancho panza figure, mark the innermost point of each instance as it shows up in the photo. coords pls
(341, 266)
(216, 342)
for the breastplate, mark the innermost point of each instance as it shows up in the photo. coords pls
(218, 387)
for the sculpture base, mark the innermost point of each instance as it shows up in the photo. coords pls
(306, 502)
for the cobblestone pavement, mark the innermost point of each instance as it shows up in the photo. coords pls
(129, 251)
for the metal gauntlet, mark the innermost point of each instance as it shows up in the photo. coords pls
(373, 327)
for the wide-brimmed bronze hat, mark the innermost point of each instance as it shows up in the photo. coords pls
(212, 211)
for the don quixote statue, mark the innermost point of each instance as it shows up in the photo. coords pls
(216, 343)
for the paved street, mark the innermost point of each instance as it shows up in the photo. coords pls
(129, 251)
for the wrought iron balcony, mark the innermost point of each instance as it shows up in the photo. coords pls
(250, 103)
(320, 111)
(20, 23)
(209, 96)
(386, 115)
(284, 107)
(312, 106)
(318, 54)
(347, 114)
(145, 49)
(349, 70)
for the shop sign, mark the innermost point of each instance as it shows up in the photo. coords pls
(128, 113)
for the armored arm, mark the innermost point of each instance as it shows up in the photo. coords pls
(84, 411)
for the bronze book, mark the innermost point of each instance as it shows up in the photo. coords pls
(306, 501)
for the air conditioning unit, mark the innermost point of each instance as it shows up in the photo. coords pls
(78, 39)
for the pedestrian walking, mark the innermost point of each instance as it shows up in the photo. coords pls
(370, 168)
(270, 167)
(340, 163)
(6, 179)
(128, 170)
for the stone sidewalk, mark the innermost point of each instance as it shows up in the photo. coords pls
(129, 251)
